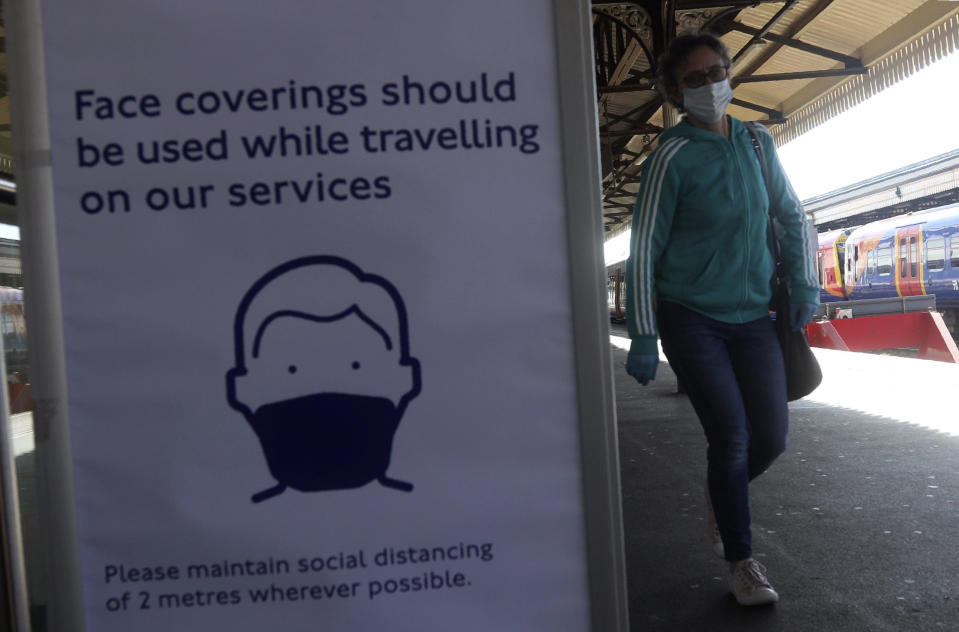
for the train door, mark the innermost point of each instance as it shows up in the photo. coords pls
(840, 258)
(908, 265)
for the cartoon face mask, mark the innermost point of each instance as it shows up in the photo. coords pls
(327, 441)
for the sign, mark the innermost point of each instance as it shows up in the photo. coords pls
(318, 331)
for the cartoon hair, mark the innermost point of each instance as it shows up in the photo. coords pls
(321, 288)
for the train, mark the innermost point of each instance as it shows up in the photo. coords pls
(916, 254)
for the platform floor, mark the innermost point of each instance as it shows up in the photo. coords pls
(857, 523)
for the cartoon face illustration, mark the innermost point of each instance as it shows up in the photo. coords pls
(323, 373)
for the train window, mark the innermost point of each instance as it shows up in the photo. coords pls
(840, 256)
(871, 258)
(822, 276)
(935, 253)
(954, 252)
(912, 257)
(884, 258)
(902, 257)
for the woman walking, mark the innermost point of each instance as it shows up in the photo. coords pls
(698, 277)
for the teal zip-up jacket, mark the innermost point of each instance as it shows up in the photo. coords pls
(699, 233)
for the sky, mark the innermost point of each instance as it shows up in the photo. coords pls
(904, 124)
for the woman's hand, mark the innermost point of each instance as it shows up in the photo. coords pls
(642, 366)
(800, 314)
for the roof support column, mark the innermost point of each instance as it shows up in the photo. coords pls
(670, 113)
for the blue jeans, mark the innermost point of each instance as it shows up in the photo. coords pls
(736, 381)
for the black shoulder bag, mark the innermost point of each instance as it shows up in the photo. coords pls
(803, 374)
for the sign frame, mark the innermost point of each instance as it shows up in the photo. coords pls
(594, 379)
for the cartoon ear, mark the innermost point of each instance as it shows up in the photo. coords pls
(413, 366)
(234, 390)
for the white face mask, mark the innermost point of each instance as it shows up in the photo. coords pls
(708, 102)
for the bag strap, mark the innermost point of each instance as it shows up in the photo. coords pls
(778, 279)
(761, 157)
(757, 146)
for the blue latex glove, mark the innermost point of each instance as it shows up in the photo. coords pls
(642, 366)
(800, 314)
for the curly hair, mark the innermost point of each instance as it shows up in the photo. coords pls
(676, 53)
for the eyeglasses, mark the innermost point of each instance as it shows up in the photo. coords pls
(697, 78)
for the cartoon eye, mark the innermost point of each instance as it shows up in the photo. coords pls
(292, 369)
(356, 365)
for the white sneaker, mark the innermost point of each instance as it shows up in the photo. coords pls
(749, 584)
(714, 536)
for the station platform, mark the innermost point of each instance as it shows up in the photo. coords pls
(857, 523)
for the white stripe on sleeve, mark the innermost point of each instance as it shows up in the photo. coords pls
(647, 209)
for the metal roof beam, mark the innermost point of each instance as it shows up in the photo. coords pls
(809, 74)
(792, 31)
(629, 87)
(850, 62)
(771, 113)
(644, 115)
(616, 190)
(613, 119)
(757, 38)
(686, 5)
(642, 129)
(619, 173)
(620, 182)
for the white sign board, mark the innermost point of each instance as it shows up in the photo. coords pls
(316, 312)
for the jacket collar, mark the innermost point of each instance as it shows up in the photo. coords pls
(685, 130)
